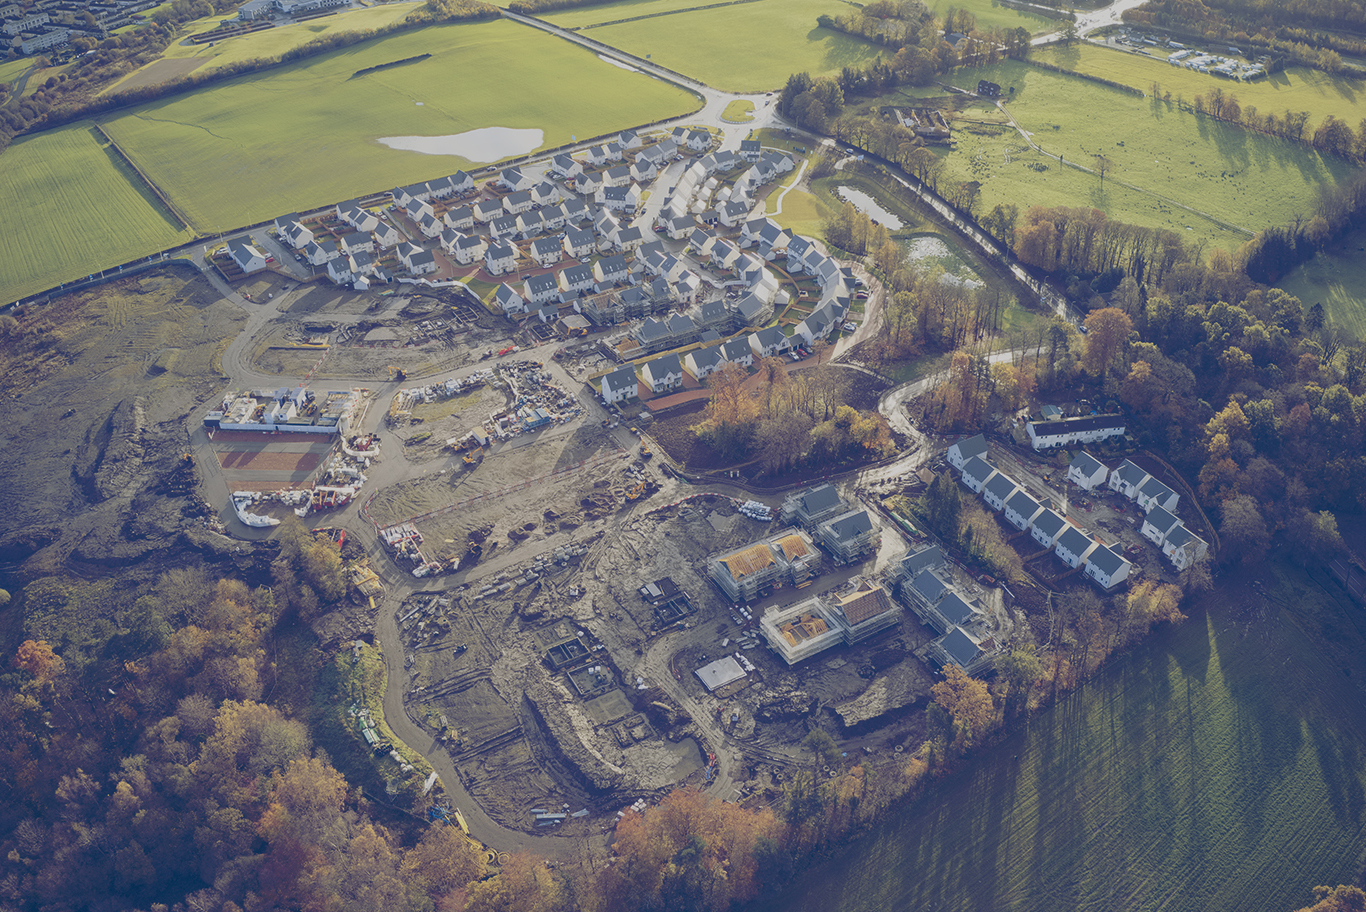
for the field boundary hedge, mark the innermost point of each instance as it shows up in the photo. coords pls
(393, 63)
(165, 201)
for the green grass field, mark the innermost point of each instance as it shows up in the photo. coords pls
(1173, 157)
(1336, 278)
(990, 14)
(1296, 88)
(82, 212)
(306, 135)
(738, 111)
(747, 47)
(1219, 767)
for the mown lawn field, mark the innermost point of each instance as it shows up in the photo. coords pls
(1336, 278)
(306, 135)
(1231, 182)
(1295, 89)
(745, 47)
(74, 209)
(1218, 768)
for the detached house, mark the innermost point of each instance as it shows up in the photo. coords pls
(420, 262)
(610, 270)
(520, 201)
(1153, 493)
(663, 374)
(849, 536)
(461, 218)
(506, 298)
(319, 253)
(488, 210)
(540, 289)
(247, 257)
(1157, 524)
(416, 208)
(737, 351)
(699, 140)
(575, 279)
(512, 179)
(430, 226)
(292, 231)
(546, 251)
(565, 166)
(503, 227)
(545, 194)
(466, 249)
(704, 362)
(578, 242)
(620, 385)
(529, 224)
(1087, 472)
(500, 258)
(387, 235)
(768, 342)
(750, 150)
(643, 170)
(1127, 479)
(357, 241)
(629, 139)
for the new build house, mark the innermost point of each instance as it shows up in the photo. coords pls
(1087, 472)
(976, 472)
(850, 536)
(1183, 547)
(810, 507)
(997, 491)
(620, 385)
(1046, 528)
(1073, 547)
(1021, 509)
(965, 449)
(1107, 567)
(1071, 431)
(742, 574)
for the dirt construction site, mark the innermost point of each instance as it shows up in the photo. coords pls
(551, 645)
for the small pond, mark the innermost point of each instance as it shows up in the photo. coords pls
(488, 144)
(869, 207)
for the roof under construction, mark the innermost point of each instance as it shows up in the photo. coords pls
(794, 546)
(865, 603)
(751, 560)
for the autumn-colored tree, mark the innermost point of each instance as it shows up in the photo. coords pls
(1019, 670)
(444, 862)
(42, 664)
(1342, 898)
(1107, 336)
(1244, 533)
(524, 884)
(967, 701)
(690, 852)
(732, 414)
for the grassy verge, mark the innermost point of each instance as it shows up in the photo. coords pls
(83, 211)
(1217, 767)
(738, 111)
(1170, 159)
(352, 688)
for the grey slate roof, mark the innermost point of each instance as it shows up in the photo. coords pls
(820, 499)
(977, 468)
(1000, 486)
(1072, 540)
(1086, 464)
(620, 379)
(1022, 503)
(929, 586)
(737, 350)
(956, 610)
(1049, 523)
(851, 525)
(972, 446)
(1154, 488)
(961, 647)
(923, 559)
(1162, 520)
(1107, 561)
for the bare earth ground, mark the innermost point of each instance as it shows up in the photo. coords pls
(97, 387)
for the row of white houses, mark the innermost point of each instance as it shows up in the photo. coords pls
(1160, 526)
(1106, 566)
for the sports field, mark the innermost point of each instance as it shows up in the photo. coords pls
(1208, 180)
(1336, 278)
(74, 209)
(1295, 89)
(742, 47)
(306, 135)
(1219, 768)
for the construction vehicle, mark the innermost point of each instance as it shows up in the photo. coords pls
(635, 492)
(645, 451)
(396, 373)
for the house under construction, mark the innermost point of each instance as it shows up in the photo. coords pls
(745, 573)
